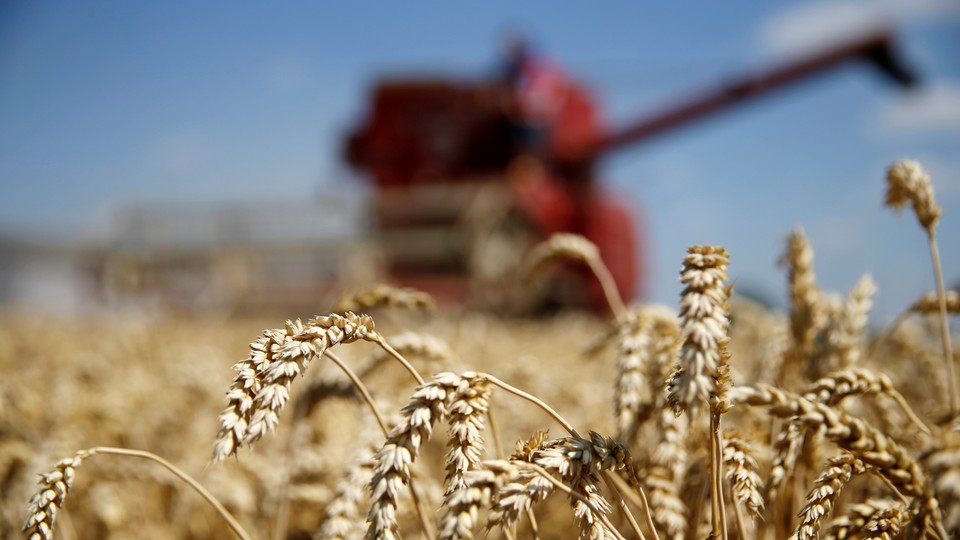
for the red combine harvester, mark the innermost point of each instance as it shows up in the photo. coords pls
(456, 202)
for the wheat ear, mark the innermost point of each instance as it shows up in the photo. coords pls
(518, 496)
(647, 348)
(522, 490)
(529, 481)
(703, 328)
(55, 485)
(368, 398)
(836, 387)
(908, 183)
(48, 501)
(460, 508)
(806, 315)
(618, 450)
(943, 464)
(823, 496)
(854, 435)
(928, 304)
(846, 333)
(588, 502)
(742, 474)
(384, 296)
(831, 390)
(343, 516)
(703, 375)
(577, 248)
(262, 385)
(427, 406)
(874, 519)
(577, 461)
(465, 414)
(665, 475)
(629, 403)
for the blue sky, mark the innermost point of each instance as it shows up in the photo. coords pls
(106, 103)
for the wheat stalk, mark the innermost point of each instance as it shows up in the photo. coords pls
(928, 304)
(432, 349)
(56, 484)
(576, 248)
(908, 183)
(703, 374)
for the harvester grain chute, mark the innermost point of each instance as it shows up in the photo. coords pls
(455, 201)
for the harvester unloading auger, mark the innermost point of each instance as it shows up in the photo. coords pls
(457, 201)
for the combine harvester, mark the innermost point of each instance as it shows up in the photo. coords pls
(456, 204)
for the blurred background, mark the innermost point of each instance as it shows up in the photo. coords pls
(237, 157)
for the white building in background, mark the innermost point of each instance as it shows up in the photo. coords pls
(265, 254)
(44, 275)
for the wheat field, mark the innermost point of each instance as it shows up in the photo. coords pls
(383, 417)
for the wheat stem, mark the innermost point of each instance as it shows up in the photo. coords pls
(532, 399)
(362, 388)
(944, 328)
(607, 479)
(495, 433)
(716, 469)
(639, 499)
(176, 471)
(399, 358)
(738, 516)
(875, 344)
(609, 287)
(572, 493)
(534, 526)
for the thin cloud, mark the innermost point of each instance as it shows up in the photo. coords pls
(288, 74)
(926, 109)
(816, 25)
(182, 151)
